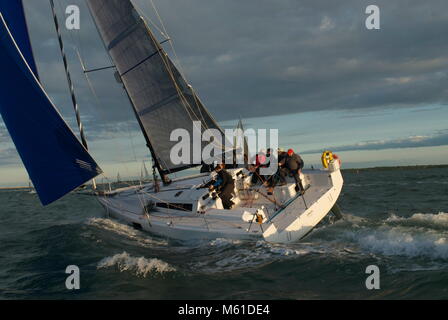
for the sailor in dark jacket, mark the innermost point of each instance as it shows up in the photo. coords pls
(283, 171)
(224, 185)
(294, 164)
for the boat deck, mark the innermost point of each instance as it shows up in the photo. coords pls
(184, 207)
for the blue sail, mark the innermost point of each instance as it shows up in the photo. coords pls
(56, 161)
(14, 15)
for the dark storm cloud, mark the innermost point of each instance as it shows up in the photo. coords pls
(271, 57)
(438, 139)
(263, 57)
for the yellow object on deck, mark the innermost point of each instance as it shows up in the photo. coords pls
(327, 157)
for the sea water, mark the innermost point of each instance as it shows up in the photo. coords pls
(396, 220)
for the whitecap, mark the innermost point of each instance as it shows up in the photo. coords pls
(221, 242)
(401, 242)
(440, 219)
(139, 265)
(121, 229)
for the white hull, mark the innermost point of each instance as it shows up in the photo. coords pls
(182, 211)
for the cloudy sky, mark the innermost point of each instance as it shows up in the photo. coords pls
(309, 68)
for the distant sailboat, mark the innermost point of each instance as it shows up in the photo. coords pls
(162, 101)
(242, 145)
(144, 174)
(31, 188)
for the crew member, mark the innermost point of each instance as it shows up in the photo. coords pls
(260, 161)
(268, 157)
(294, 164)
(224, 185)
(282, 169)
(279, 177)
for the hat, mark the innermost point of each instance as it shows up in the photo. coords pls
(290, 152)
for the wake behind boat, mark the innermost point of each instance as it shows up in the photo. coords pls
(163, 102)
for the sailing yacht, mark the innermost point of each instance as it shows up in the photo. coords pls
(31, 189)
(162, 101)
(144, 174)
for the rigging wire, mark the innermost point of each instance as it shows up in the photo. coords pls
(165, 59)
(111, 63)
(68, 75)
(191, 112)
(142, 12)
(178, 62)
(171, 42)
(163, 32)
(78, 47)
(185, 103)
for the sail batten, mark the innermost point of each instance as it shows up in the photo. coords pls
(162, 100)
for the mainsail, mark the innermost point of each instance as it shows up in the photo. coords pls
(56, 161)
(161, 98)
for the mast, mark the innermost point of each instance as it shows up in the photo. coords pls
(160, 97)
(70, 82)
(156, 163)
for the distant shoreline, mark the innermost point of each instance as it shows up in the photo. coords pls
(416, 167)
(15, 188)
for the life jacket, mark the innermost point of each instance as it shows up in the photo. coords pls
(260, 160)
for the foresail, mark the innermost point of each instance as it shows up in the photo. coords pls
(161, 98)
(14, 15)
(56, 161)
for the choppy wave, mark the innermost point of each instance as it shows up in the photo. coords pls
(440, 219)
(401, 242)
(143, 239)
(418, 268)
(224, 255)
(138, 265)
(222, 242)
